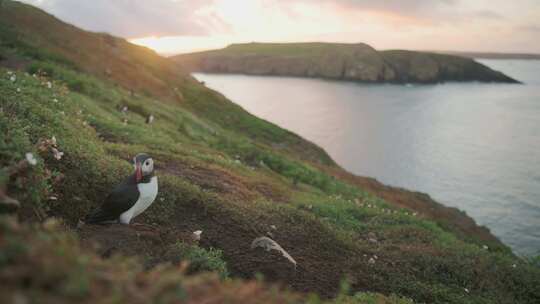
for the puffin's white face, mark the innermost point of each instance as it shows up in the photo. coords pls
(144, 166)
(147, 166)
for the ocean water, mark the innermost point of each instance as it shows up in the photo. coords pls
(469, 145)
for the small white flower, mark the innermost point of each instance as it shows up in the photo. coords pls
(18, 90)
(514, 265)
(49, 85)
(485, 247)
(57, 154)
(466, 290)
(31, 159)
(55, 100)
(371, 261)
(13, 78)
(53, 140)
(197, 235)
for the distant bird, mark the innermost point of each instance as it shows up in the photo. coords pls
(132, 197)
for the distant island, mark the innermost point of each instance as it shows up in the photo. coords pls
(353, 62)
(493, 55)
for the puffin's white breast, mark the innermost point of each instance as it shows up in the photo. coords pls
(147, 195)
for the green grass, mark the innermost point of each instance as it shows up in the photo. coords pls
(90, 131)
(203, 260)
(303, 50)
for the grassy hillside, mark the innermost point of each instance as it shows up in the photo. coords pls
(353, 62)
(222, 171)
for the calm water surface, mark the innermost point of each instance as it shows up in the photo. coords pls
(472, 146)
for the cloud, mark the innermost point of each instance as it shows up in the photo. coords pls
(534, 28)
(487, 14)
(132, 18)
(420, 9)
(420, 24)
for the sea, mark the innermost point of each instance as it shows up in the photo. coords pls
(474, 146)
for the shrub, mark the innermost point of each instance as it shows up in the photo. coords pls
(203, 260)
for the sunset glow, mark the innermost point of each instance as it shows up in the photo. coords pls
(173, 26)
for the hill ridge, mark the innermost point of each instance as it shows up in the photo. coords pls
(340, 61)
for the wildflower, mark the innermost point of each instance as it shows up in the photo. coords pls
(466, 290)
(53, 140)
(13, 78)
(18, 90)
(371, 261)
(197, 235)
(485, 247)
(150, 119)
(49, 85)
(55, 100)
(57, 154)
(31, 159)
(514, 265)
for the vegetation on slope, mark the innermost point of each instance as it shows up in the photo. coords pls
(221, 171)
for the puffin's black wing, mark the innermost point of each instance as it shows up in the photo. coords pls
(123, 197)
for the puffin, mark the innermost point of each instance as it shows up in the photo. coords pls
(131, 197)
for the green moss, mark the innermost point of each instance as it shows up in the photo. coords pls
(201, 260)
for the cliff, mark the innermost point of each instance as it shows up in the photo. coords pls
(71, 119)
(352, 62)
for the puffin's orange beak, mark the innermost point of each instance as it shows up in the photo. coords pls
(138, 172)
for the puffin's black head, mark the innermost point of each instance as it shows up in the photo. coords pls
(144, 166)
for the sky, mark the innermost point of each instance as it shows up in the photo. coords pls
(181, 26)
